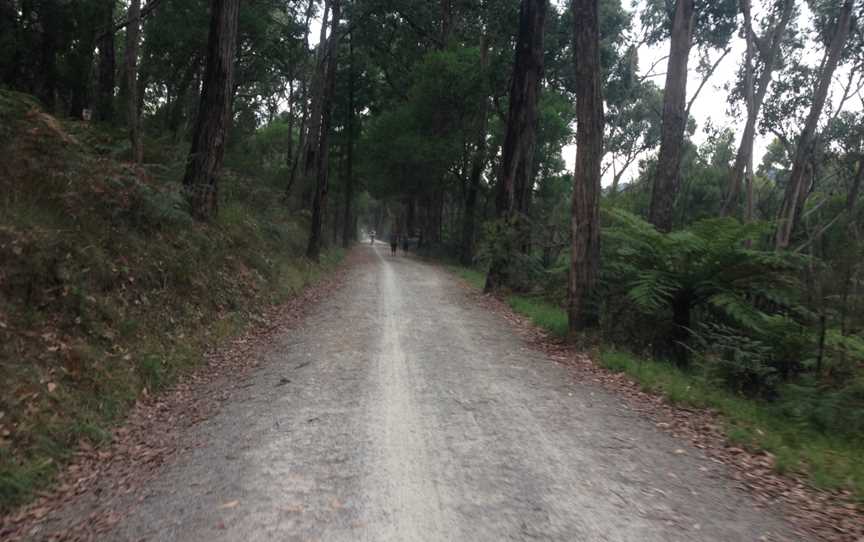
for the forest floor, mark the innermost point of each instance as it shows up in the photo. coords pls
(398, 409)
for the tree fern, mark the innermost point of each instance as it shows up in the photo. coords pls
(710, 272)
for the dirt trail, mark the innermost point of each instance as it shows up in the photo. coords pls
(402, 411)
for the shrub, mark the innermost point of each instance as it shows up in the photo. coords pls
(709, 273)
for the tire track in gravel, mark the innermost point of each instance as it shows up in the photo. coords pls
(410, 502)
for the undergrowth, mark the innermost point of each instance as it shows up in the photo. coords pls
(789, 427)
(108, 288)
(539, 311)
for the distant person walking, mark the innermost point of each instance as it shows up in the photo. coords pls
(394, 243)
(372, 238)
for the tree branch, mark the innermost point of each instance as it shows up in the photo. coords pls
(145, 11)
(705, 80)
(651, 69)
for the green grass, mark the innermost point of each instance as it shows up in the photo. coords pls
(109, 287)
(538, 310)
(541, 313)
(830, 461)
(827, 460)
(472, 276)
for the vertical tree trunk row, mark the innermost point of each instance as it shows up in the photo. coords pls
(289, 145)
(585, 216)
(796, 193)
(754, 96)
(176, 114)
(313, 129)
(302, 143)
(478, 162)
(348, 231)
(214, 111)
(667, 176)
(107, 65)
(319, 202)
(520, 134)
(855, 189)
(133, 30)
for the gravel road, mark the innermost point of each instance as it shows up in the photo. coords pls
(400, 410)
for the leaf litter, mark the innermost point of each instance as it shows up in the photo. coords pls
(102, 485)
(815, 513)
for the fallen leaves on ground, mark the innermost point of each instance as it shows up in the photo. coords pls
(101, 485)
(827, 515)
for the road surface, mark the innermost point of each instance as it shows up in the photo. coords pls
(400, 410)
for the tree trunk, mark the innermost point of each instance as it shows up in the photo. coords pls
(107, 65)
(45, 85)
(411, 216)
(439, 215)
(214, 111)
(143, 75)
(446, 21)
(478, 162)
(348, 232)
(585, 218)
(313, 130)
(289, 145)
(80, 66)
(175, 116)
(748, 200)
(754, 96)
(303, 142)
(855, 189)
(520, 134)
(133, 30)
(795, 193)
(667, 176)
(616, 180)
(319, 203)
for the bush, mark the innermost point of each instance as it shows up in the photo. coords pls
(708, 273)
(504, 239)
(838, 411)
(107, 286)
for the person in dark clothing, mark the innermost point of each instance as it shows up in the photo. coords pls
(394, 242)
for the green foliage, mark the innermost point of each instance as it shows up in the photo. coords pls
(472, 276)
(541, 313)
(708, 273)
(807, 430)
(108, 286)
(831, 410)
(740, 362)
(507, 236)
(408, 150)
(715, 22)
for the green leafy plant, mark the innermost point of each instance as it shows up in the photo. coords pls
(708, 272)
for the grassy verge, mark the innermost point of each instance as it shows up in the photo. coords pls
(540, 312)
(108, 288)
(829, 461)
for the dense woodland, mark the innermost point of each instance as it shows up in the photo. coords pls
(444, 122)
